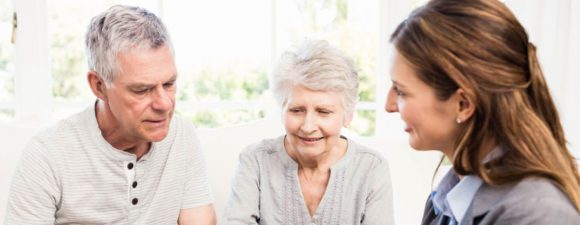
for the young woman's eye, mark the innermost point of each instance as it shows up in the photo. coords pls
(397, 91)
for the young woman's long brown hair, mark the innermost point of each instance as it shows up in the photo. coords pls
(480, 47)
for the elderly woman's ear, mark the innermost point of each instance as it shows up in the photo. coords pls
(348, 119)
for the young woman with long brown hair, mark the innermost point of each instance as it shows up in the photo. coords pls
(467, 82)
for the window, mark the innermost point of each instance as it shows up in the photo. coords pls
(223, 57)
(226, 53)
(225, 50)
(6, 61)
(350, 25)
(67, 24)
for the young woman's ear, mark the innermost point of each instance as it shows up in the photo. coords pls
(97, 85)
(465, 106)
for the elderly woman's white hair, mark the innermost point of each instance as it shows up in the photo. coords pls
(317, 66)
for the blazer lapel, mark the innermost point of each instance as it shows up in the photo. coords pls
(429, 213)
(429, 217)
(484, 200)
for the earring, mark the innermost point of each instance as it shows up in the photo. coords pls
(458, 120)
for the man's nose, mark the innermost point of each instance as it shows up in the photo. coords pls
(163, 100)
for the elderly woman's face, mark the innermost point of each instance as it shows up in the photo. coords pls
(313, 120)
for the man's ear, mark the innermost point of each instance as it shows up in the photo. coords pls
(465, 105)
(97, 85)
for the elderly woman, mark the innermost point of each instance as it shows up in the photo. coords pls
(312, 174)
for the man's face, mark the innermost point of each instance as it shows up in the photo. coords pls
(141, 99)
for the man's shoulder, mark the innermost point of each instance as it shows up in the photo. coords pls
(180, 125)
(59, 142)
(65, 128)
(182, 137)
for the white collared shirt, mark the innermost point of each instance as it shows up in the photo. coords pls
(453, 196)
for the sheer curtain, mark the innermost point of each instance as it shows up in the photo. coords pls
(554, 27)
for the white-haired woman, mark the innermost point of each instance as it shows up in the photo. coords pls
(312, 174)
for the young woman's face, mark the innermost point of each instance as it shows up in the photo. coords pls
(430, 122)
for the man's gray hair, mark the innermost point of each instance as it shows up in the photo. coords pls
(319, 67)
(118, 29)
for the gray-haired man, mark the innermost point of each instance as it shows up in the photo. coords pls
(126, 159)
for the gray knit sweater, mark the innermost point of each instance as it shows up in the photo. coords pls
(266, 190)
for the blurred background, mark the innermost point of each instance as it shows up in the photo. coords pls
(225, 50)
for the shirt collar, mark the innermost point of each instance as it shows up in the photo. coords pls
(439, 194)
(460, 197)
(453, 196)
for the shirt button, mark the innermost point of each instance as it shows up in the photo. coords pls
(130, 166)
(134, 184)
(135, 200)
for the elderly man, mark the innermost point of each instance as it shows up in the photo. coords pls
(126, 159)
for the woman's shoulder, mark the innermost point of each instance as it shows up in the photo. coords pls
(365, 158)
(536, 189)
(533, 196)
(265, 146)
(365, 154)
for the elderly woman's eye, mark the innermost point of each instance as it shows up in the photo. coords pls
(295, 110)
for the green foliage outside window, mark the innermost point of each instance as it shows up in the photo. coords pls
(6, 52)
(69, 65)
(213, 83)
(220, 118)
(224, 83)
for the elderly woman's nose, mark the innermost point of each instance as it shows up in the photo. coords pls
(309, 123)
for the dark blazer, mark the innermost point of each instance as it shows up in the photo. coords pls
(531, 201)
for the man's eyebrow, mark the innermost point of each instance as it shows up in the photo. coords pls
(173, 79)
(139, 86)
(145, 85)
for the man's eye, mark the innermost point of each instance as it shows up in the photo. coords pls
(140, 91)
(169, 85)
